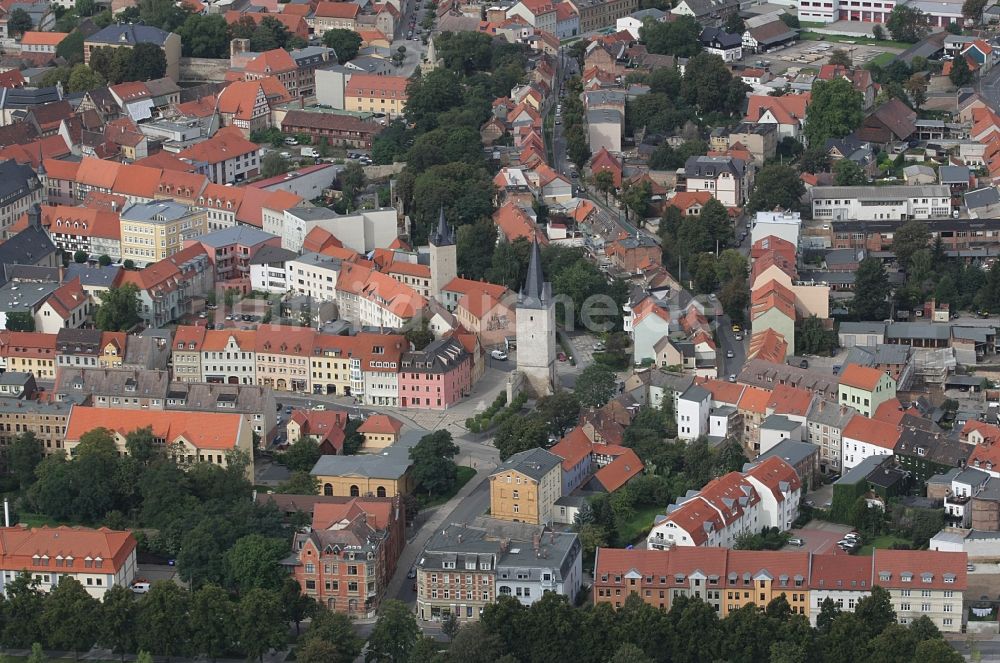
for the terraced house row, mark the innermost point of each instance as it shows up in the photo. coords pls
(920, 582)
(379, 369)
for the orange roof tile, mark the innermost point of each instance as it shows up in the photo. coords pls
(337, 10)
(271, 62)
(768, 345)
(934, 563)
(618, 472)
(27, 548)
(227, 143)
(381, 424)
(772, 295)
(754, 399)
(515, 223)
(572, 448)
(860, 377)
(786, 399)
(786, 109)
(98, 173)
(777, 475)
(33, 38)
(204, 430)
(724, 392)
(872, 431)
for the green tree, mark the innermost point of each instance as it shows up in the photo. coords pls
(848, 173)
(261, 622)
(85, 7)
(420, 336)
(71, 48)
(595, 385)
(352, 181)
(815, 159)
(834, 112)
(394, 635)
(916, 87)
(118, 616)
(871, 290)
(212, 618)
(973, 10)
(298, 606)
(604, 181)
(119, 308)
(938, 651)
(345, 43)
(301, 455)
(18, 22)
(83, 79)
(811, 337)
(273, 164)
(20, 321)
(205, 36)
(23, 456)
(839, 56)
(909, 238)
(679, 37)
(340, 642)
(710, 87)
(300, 483)
(907, 24)
(561, 409)
(80, 257)
(254, 563)
(69, 617)
(878, 32)
(961, 74)
(517, 434)
(146, 62)
(164, 627)
(433, 457)
(636, 199)
(475, 245)
(777, 185)
(875, 611)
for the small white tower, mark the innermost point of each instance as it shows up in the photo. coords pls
(444, 256)
(536, 328)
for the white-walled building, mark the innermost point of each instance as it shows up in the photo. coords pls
(880, 203)
(313, 275)
(783, 224)
(780, 491)
(268, 269)
(864, 437)
(692, 413)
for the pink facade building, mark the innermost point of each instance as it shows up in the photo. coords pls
(231, 249)
(436, 377)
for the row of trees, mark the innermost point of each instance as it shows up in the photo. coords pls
(202, 515)
(692, 632)
(169, 620)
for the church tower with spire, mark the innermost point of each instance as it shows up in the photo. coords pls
(444, 256)
(536, 328)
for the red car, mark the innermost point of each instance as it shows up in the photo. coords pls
(561, 356)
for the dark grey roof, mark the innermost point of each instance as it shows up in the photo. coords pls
(443, 235)
(827, 413)
(27, 97)
(924, 330)
(696, 394)
(779, 422)
(714, 37)
(268, 254)
(953, 174)
(703, 166)
(861, 471)
(92, 275)
(440, 356)
(241, 234)
(30, 246)
(792, 452)
(130, 34)
(945, 478)
(984, 197)
(862, 328)
(16, 181)
(971, 476)
(535, 463)
(536, 292)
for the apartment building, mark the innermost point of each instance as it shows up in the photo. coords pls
(347, 557)
(226, 158)
(599, 14)
(880, 203)
(728, 179)
(525, 487)
(865, 389)
(230, 250)
(20, 191)
(185, 437)
(89, 348)
(228, 356)
(731, 505)
(154, 231)
(463, 569)
(864, 438)
(96, 558)
(144, 390)
(920, 582)
(313, 275)
(283, 357)
(330, 364)
(167, 288)
(46, 419)
(825, 424)
(30, 352)
(127, 35)
(436, 377)
(371, 93)
(186, 352)
(924, 583)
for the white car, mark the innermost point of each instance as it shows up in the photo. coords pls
(729, 354)
(140, 587)
(499, 355)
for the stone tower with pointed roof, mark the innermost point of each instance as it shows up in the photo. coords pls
(536, 328)
(444, 255)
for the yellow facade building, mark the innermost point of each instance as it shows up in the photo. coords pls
(526, 486)
(376, 475)
(153, 231)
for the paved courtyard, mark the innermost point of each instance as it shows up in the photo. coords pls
(820, 537)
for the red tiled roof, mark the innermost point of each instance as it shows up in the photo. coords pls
(786, 109)
(768, 345)
(724, 392)
(774, 472)
(786, 399)
(891, 566)
(872, 431)
(227, 143)
(772, 295)
(754, 399)
(618, 472)
(381, 424)
(572, 448)
(514, 223)
(205, 430)
(860, 377)
(337, 10)
(24, 548)
(271, 62)
(841, 572)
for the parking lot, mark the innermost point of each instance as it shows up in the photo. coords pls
(820, 537)
(813, 55)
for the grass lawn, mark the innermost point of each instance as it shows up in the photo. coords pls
(882, 542)
(37, 520)
(464, 475)
(640, 524)
(883, 59)
(855, 39)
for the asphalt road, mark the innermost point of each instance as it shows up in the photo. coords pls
(989, 87)
(727, 344)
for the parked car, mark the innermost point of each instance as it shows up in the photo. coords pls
(970, 567)
(499, 355)
(561, 356)
(804, 364)
(412, 573)
(732, 377)
(598, 347)
(291, 140)
(729, 354)
(795, 541)
(736, 327)
(140, 587)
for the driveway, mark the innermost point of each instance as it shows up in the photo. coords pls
(820, 537)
